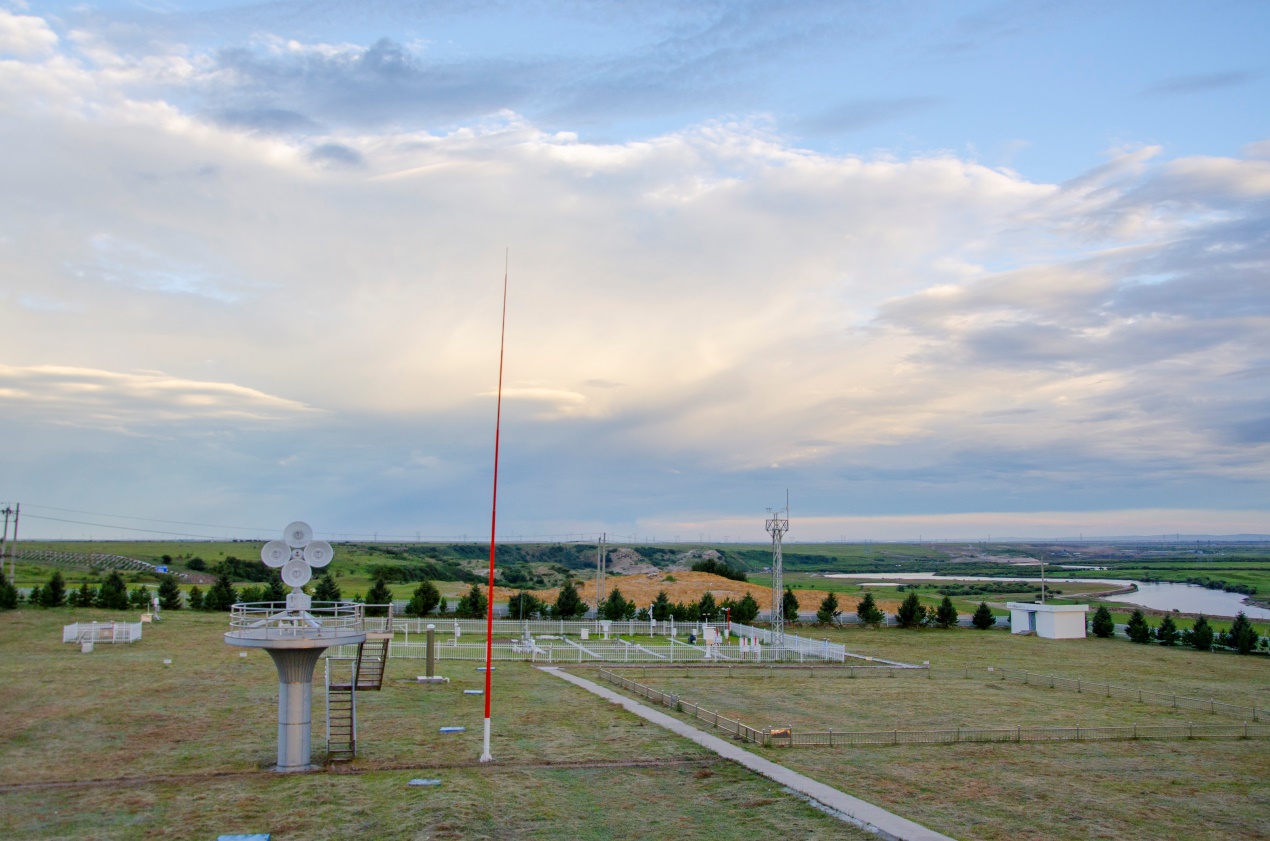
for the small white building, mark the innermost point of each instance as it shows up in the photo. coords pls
(1051, 621)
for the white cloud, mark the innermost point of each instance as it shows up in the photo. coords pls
(133, 400)
(25, 35)
(926, 318)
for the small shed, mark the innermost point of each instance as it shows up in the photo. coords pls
(1051, 621)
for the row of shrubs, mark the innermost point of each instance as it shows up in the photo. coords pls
(1202, 636)
(113, 594)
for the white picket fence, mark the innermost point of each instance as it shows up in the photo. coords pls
(94, 632)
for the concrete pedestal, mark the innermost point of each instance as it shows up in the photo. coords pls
(295, 705)
(295, 659)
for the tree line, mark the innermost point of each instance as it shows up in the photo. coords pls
(1240, 637)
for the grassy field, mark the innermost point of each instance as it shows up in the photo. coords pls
(1123, 790)
(116, 745)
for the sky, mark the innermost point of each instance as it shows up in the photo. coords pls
(940, 270)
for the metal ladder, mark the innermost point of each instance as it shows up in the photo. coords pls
(341, 707)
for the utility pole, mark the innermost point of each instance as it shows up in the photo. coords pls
(4, 542)
(777, 526)
(600, 562)
(13, 548)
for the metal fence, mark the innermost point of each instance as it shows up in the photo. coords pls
(102, 632)
(728, 725)
(565, 651)
(789, 737)
(1180, 702)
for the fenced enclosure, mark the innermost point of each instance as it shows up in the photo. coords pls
(94, 632)
(1145, 696)
(791, 737)
(566, 651)
(550, 641)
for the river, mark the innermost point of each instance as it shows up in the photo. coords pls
(1188, 598)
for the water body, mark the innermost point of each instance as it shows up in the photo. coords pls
(1188, 598)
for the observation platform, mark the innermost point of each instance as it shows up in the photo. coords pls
(295, 634)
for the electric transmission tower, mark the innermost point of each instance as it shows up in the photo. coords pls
(776, 527)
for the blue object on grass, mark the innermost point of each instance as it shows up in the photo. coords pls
(453, 729)
(424, 783)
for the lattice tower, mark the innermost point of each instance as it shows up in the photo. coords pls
(776, 526)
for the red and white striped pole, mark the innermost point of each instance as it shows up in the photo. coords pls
(486, 756)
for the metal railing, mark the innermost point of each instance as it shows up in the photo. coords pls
(1171, 699)
(789, 737)
(272, 620)
(102, 632)
(728, 725)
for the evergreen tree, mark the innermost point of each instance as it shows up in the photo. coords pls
(828, 611)
(275, 590)
(221, 595)
(379, 594)
(524, 605)
(443, 607)
(8, 595)
(33, 599)
(139, 598)
(568, 603)
(326, 590)
(472, 605)
(661, 607)
(54, 592)
(983, 618)
(1241, 636)
(707, 609)
(1167, 632)
(868, 611)
(613, 607)
(912, 613)
(169, 593)
(113, 594)
(746, 610)
(85, 596)
(1202, 635)
(424, 599)
(196, 598)
(643, 615)
(1138, 629)
(789, 606)
(946, 614)
(1103, 626)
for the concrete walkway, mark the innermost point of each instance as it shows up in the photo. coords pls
(873, 818)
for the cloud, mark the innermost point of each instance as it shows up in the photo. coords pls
(130, 400)
(1201, 83)
(25, 35)
(902, 332)
(860, 114)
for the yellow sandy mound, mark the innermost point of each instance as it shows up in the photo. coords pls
(690, 587)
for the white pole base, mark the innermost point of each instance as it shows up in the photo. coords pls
(485, 754)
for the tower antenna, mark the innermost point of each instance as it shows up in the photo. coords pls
(776, 526)
(486, 756)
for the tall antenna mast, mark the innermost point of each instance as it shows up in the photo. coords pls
(486, 756)
(777, 526)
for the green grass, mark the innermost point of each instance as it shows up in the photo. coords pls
(180, 751)
(1123, 790)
